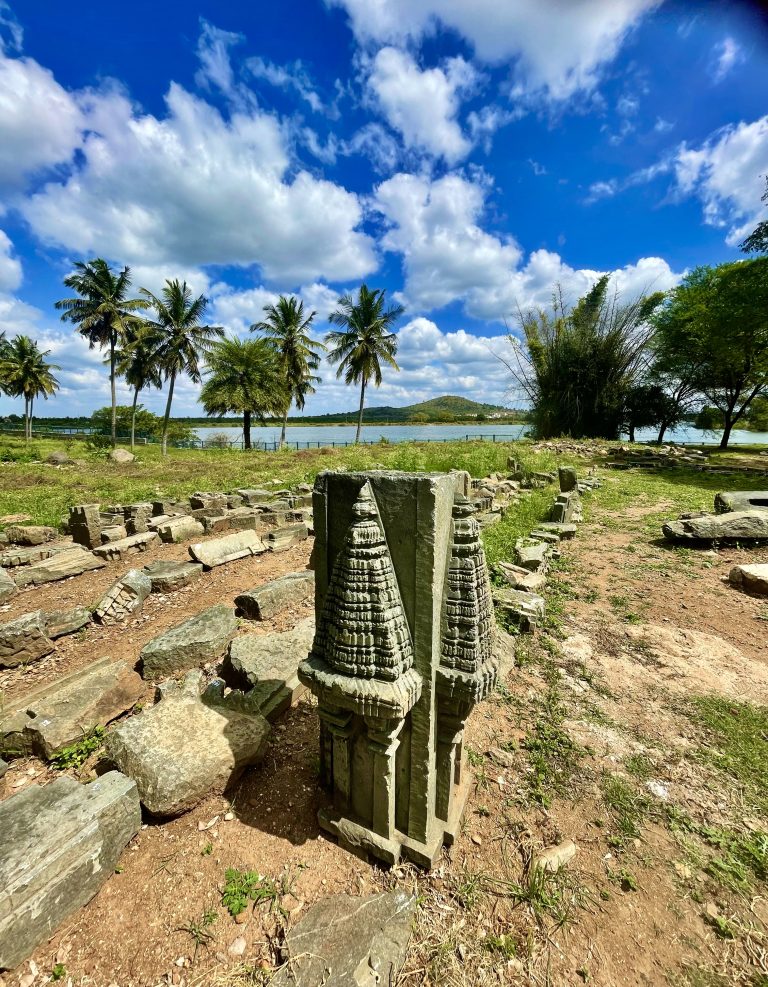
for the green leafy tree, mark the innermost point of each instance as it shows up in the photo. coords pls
(102, 311)
(179, 337)
(137, 364)
(757, 417)
(26, 373)
(127, 416)
(578, 365)
(713, 329)
(244, 377)
(288, 329)
(757, 241)
(364, 341)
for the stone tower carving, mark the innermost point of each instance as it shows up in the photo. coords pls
(402, 652)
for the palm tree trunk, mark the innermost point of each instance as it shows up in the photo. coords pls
(31, 405)
(112, 386)
(282, 431)
(168, 414)
(246, 429)
(360, 416)
(27, 429)
(133, 417)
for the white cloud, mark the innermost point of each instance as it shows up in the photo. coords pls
(726, 55)
(292, 76)
(422, 105)
(448, 257)
(193, 188)
(728, 174)
(377, 144)
(237, 310)
(560, 45)
(40, 122)
(213, 51)
(10, 266)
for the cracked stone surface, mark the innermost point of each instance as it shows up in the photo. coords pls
(272, 598)
(24, 640)
(192, 643)
(124, 597)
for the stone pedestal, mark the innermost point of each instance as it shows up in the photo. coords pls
(85, 525)
(402, 652)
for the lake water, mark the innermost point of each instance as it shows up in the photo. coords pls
(322, 435)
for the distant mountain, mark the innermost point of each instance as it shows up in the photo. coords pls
(447, 408)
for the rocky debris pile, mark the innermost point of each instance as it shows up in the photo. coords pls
(196, 641)
(60, 844)
(187, 745)
(123, 598)
(265, 667)
(655, 457)
(584, 450)
(57, 715)
(750, 578)
(272, 598)
(344, 941)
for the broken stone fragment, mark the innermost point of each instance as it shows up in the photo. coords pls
(8, 587)
(734, 526)
(281, 539)
(182, 748)
(741, 500)
(72, 562)
(750, 578)
(192, 643)
(85, 525)
(14, 556)
(169, 576)
(59, 714)
(532, 555)
(29, 534)
(555, 857)
(24, 640)
(61, 622)
(123, 598)
(521, 578)
(113, 533)
(266, 666)
(348, 942)
(117, 550)
(60, 844)
(178, 529)
(273, 597)
(238, 545)
(525, 610)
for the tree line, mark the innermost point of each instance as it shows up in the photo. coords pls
(152, 341)
(605, 366)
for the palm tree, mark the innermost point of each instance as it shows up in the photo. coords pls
(101, 311)
(245, 378)
(178, 337)
(364, 341)
(288, 330)
(137, 363)
(25, 373)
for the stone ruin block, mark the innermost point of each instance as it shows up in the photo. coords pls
(567, 508)
(85, 525)
(402, 653)
(740, 500)
(568, 479)
(29, 534)
(272, 598)
(136, 517)
(117, 550)
(124, 597)
(24, 640)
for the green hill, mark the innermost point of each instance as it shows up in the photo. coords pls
(447, 408)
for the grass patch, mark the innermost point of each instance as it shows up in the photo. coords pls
(78, 753)
(552, 754)
(628, 809)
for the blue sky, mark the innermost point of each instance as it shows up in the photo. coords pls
(465, 155)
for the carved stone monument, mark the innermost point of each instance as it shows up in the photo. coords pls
(402, 652)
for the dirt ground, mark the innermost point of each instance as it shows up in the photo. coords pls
(592, 738)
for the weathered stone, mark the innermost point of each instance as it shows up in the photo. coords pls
(85, 525)
(61, 622)
(29, 534)
(203, 501)
(178, 529)
(348, 942)
(123, 598)
(12, 557)
(266, 666)
(550, 537)
(524, 610)
(402, 652)
(533, 556)
(281, 539)
(121, 456)
(733, 526)
(271, 598)
(8, 587)
(169, 576)
(58, 458)
(132, 545)
(3, 768)
(555, 857)
(60, 844)
(252, 497)
(136, 517)
(567, 508)
(750, 578)
(565, 531)
(171, 508)
(194, 642)
(24, 640)
(741, 500)
(234, 501)
(181, 749)
(60, 713)
(70, 562)
(219, 551)
(520, 578)
(568, 479)
(113, 533)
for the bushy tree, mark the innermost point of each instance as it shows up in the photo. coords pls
(757, 241)
(364, 341)
(577, 366)
(26, 373)
(712, 331)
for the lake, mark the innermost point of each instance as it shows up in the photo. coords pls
(323, 435)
